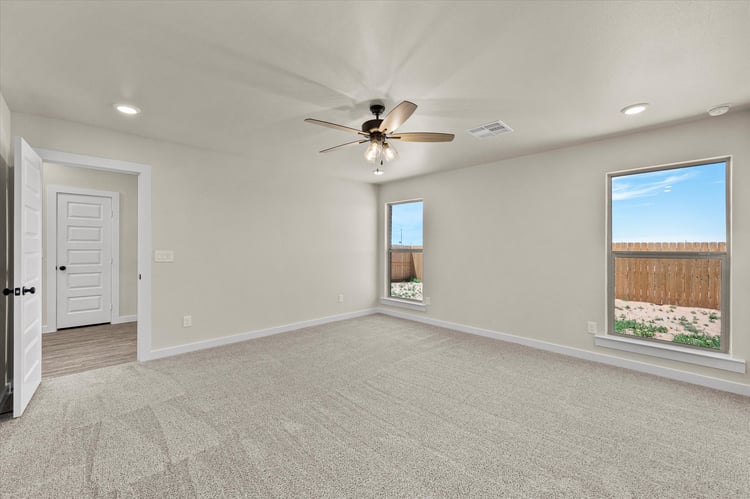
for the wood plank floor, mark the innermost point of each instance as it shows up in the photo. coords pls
(84, 348)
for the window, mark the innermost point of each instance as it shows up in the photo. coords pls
(669, 254)
(405, 250)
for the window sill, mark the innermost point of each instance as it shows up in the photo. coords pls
(412, 305)
(715, 360)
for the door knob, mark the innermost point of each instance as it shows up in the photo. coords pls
(7, 291)
(31, 290)
(62, 267)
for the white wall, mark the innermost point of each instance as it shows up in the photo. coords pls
(127, 186)
(518, 246)
(254, 248)
(5, 135)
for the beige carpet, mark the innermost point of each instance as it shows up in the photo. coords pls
(375, 407)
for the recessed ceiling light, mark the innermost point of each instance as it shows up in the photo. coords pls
(719, 110)
(127, 109)
(634, 108)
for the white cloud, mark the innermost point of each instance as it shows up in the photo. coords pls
(622, 190)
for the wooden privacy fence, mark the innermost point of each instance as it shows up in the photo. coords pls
(686, 282)
(406, 265)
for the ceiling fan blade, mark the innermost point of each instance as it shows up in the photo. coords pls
(344, 145)
(423, 137)
(334, 125)
(397, 116)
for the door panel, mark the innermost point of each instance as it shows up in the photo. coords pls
(90, 234)
(27, 272)
(83, 257)
(85, 280)
(84, 248)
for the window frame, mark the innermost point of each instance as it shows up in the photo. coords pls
(724, 257)
(390, 250)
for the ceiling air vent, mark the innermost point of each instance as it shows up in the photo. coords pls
(490, 130)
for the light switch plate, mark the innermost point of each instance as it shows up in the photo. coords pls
(163, 256)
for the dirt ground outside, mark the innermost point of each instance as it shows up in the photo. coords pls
(676, 320)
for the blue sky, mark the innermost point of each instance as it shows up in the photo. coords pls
(406, 223)
(682, 204)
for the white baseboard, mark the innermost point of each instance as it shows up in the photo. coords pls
(124, 318)
(47, 329)
(227, 340)
(665, 372)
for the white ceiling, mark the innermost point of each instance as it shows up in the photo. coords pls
(240, 76)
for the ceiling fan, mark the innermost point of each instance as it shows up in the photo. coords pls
(379, 132)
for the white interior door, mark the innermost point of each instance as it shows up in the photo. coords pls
(84, 260)
(27, 274)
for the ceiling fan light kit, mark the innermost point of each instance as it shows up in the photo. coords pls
(379, 132)
(373, 151)
(389, 152)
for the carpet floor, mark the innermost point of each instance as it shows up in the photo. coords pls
(375, 407)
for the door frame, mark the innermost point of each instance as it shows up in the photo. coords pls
(51, 254)
(143, 171)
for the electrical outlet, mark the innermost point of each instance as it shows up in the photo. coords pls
(427, 300)
(591, 329)
(341, 298)
(187, 321)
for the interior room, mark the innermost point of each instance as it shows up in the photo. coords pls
(367, 249)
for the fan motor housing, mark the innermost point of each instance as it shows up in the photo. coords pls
(370, 125)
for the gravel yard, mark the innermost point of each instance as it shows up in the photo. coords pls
(408, 290)
(667, 321)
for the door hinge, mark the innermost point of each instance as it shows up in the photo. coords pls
(110, 306)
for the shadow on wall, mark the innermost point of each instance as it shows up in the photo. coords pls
(6, 348)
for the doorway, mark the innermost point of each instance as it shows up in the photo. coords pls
(90, 272)
(90, 276)
(128, 186)
(27, 234)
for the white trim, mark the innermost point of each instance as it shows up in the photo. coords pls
(115, 295)
(665, 372)
(717, 360)
(395, 302)
(51, 256)
(144, 228)
(121, 319)
(228, 340)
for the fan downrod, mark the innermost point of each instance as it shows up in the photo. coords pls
(377, 110)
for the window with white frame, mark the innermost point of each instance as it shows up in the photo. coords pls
(669, 254)
(405, 250)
